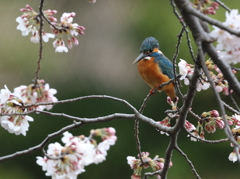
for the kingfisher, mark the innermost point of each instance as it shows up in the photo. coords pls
(155, 68)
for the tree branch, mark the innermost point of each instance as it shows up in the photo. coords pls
(43, 143)
(188, 161)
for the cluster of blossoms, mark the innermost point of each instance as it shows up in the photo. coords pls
(20, 101)
(235, 122)
(29, 22)
(228, 45)
(206, 6)
(11, 103)
(68, 161)
(156, 164)
(41, 92)
(186, 70)
(209, 121)
(167, 120)
(70, 29)
(221, 84)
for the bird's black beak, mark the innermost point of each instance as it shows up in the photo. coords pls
(140, 57)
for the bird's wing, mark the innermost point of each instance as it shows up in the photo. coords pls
(165, 64)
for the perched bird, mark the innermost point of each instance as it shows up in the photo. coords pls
(155, 68)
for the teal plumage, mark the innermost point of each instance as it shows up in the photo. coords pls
(164, 63)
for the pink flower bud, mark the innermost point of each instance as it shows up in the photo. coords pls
(29, 7)
(91, 1)
(75, 40)
(23, 9)
(72, 14)
(230, 122)
(214, 5)
(54, 11)
(214, 113)
(69, 42)
(189, 126)
(220, 123)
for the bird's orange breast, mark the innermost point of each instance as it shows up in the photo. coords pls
(151, 73)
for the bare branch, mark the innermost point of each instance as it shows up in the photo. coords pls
(207, 141)
(223, 5)
(86, 97)
(151, 174)
(82, 122)
(188, 161)
(40, 42)
(234, 101)
(185, 29)
(230, 108)
(43, 143)
(186, 5)
(93, 120)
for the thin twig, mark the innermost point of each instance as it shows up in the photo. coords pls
(40, 42)
(234, 101)
(151, 174)
(84, 98)
(195, 115)
(43, 143)
(185, 29)
(207, 141)
(230, 108)
(92, 120)
(188, 161)
(136, 127)
(223, 5)
(82, 122)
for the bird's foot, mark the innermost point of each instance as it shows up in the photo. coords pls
(159, 87)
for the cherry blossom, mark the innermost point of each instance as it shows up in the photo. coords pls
(70, 160)
(35, 94)
(67, 166)
(29, 23)
(59, 45)
(189, 126)
(206, 7)
(136, 164)
(221, 84)
(12, 104)
(232, 157)
(228, 45)
(69, 29)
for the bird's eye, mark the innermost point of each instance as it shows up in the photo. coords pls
(148, 52)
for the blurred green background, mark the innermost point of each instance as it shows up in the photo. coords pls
(102, 64)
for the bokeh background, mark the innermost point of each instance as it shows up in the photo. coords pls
(102, 64)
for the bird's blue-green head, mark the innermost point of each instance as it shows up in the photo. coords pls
(147, 47)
